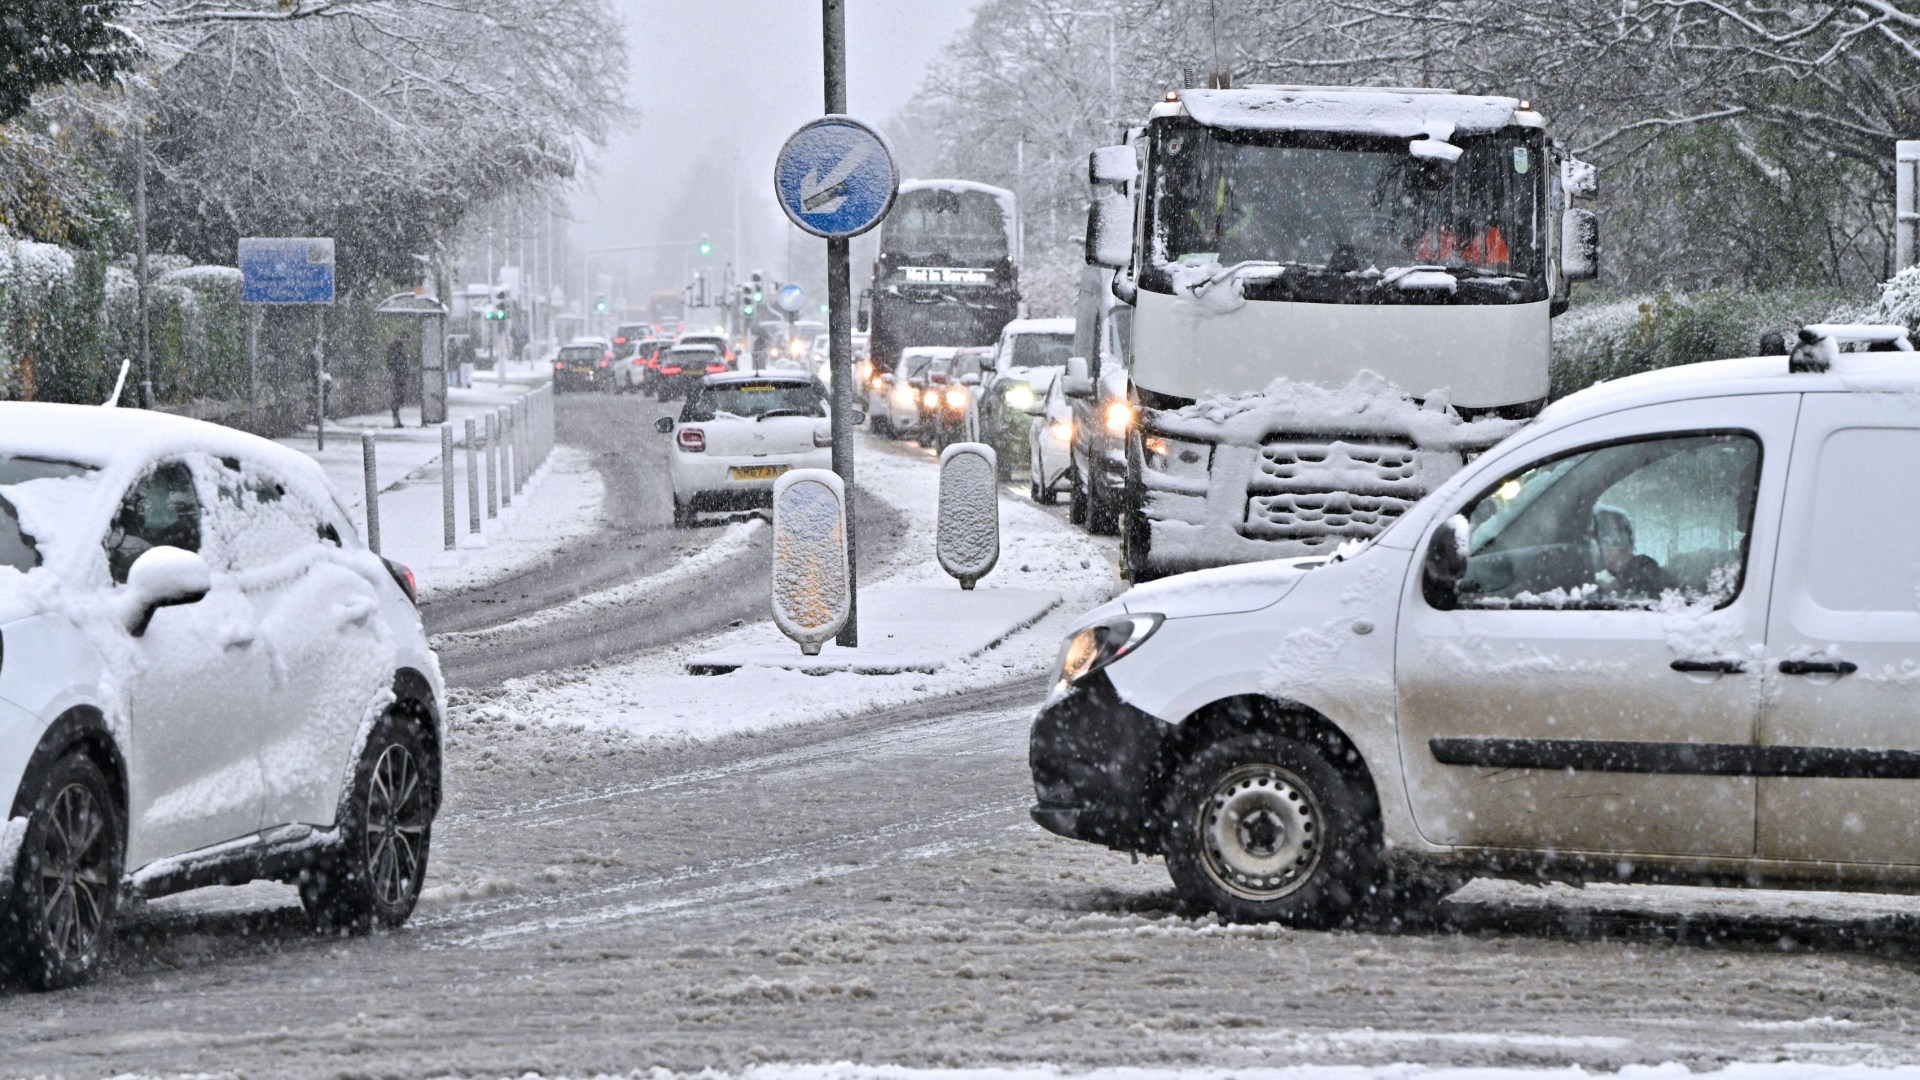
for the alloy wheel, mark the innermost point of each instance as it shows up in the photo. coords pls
(76, 873)
(397, 821)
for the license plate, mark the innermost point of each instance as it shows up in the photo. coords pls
(581, 370)
(755, 472)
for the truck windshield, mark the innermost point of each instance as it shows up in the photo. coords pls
(1344, 203)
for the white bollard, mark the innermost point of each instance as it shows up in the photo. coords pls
(968, 541)
(473, 479)
(370, 471)
(812, 590)
(449, 535)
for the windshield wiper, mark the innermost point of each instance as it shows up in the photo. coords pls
(1271, 270)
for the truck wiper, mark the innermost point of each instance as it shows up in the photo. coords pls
(1269, 270)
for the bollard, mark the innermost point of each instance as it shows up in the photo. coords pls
(812, 590)
(968, 537)
(473, 481)
(519, 445)
(489, 450)
(447, 532)
(506, 456)
(370, 467)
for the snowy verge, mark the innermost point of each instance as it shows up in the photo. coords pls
(560, 505)
(843, 1070)
(653, 697)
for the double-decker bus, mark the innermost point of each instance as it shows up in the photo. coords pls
(946, 272)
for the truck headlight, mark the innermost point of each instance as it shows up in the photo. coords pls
(1176, 457)
(1094, 647)
(1019, 396)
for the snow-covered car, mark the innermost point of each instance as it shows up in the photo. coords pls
(205, 678)
(955, 417)
(1050, 448)
(899, 401)
(719, 342)
(584, 364)
(1030, 355)
(1668, 633)
(736, 435)
(682, 367)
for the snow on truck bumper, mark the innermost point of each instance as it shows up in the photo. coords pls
(1097, 767)
(1290, 494)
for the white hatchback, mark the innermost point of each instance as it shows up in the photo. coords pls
(1670, 632)
(205, 678)
(738, 433)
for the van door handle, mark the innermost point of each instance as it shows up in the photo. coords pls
(1818, 667)
(1717, 667)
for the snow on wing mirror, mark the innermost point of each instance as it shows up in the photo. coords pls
(1110, 232)
(1579, 245)
(1446, 562)
(967, 540)
(162, 577)
(664, 425)
(1112, 165)
(812, 588)
(1579, 179)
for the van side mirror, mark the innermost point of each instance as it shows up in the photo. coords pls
(162, 577)
(1110, 232)
(1579, 245)
(664, 425)
(1112, 165)
(1446, 563)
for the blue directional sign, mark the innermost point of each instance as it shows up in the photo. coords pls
(836, 177)
(286, 270)
(790, 297)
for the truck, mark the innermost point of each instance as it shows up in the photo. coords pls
(946, 273)
(1339, 295)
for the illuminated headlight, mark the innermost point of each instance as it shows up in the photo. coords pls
(1119, 416)
(1019, 396)
(1175, 457)
(930, 399)
(798, 348)
(903, 394)
(1099, 645)
(1061, 430)
(957, 398)
(879, 382)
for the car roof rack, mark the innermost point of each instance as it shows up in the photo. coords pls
(1820, 342)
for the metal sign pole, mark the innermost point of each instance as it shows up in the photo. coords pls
(320, 378)
(840, 321)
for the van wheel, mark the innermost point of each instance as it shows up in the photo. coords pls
(386, 829)
(1262, 828)
(1076, 494)
(59, 920)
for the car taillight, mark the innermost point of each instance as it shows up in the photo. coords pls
(669, 371)
(715, 369)
(823, 438)
(619, 341)
(692, 440)
(603, 363)
(403, 577)
(559, 365)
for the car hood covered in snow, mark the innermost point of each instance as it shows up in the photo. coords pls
(1223, 590)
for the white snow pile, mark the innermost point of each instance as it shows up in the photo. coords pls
(1368, 405)
(844, 1070)
(1437, 117)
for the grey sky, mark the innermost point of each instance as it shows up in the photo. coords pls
(712, 75)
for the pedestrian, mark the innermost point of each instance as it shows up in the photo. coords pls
(399, 366)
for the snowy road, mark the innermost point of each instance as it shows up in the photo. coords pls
(871, 890)
(640, 544)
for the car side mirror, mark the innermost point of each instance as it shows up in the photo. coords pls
(664, 425)
(1446, 562)
(856, 417)
(1077, 381)
(162, 577)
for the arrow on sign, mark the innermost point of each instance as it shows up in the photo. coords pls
(819, 196)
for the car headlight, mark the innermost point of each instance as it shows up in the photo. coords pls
(1176, 457)
(1118, 416)
(1061, 429)
(957, 398)
(1094, 647)
(930, 399)
(1019, 396)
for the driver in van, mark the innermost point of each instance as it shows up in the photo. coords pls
(1634, 575)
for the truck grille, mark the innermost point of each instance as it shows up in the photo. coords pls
(1320, 492)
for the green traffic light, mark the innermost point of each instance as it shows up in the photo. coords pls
(746, 309)
(706, 246)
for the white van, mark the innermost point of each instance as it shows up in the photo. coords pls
(1668, 632)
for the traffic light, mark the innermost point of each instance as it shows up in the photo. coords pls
(494, 313)
(600, 304)
(706, 245)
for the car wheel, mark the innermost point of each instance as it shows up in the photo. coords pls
(66, 892)
(1103, 515)
(386, 828)
(1076, 495)
(682, 516)
(1263, 828)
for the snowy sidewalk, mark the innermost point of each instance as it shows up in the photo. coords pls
(560, 501)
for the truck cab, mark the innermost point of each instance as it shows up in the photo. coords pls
(1410, 244)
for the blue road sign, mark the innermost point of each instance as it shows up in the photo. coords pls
(286, 270)
(790, 297)
(836, 177)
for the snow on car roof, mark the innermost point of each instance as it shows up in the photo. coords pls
(103, 437)
(1854, 372)
(787, 376)
(1039, 326)
(1404, 114)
